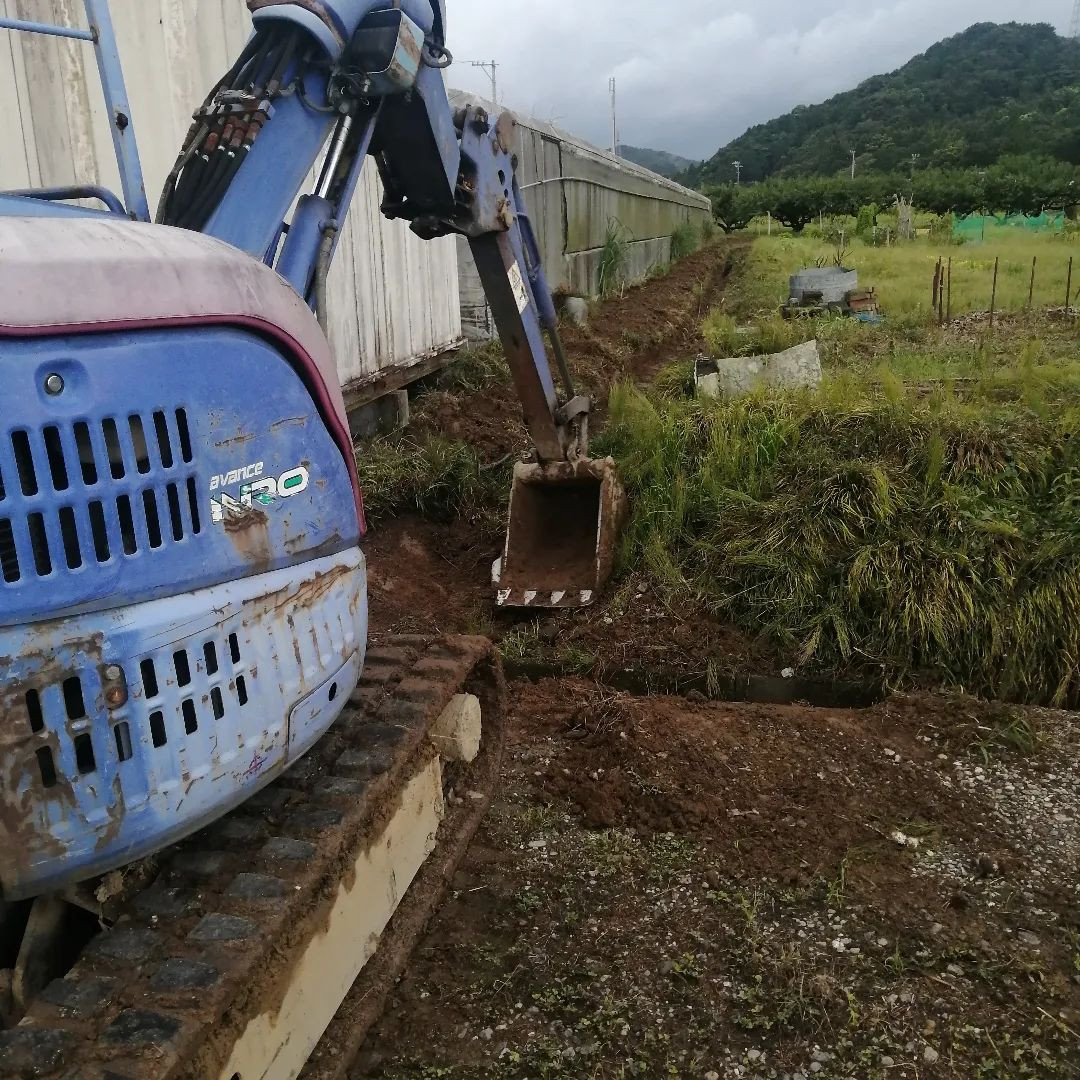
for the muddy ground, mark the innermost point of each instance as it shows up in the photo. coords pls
(677, 887)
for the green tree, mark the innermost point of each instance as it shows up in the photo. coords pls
(734, 205)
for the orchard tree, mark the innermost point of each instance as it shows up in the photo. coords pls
(794, 203)
(734, 205)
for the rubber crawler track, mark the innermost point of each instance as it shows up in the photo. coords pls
(164, 993)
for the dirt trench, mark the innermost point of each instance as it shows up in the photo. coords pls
(669, 886)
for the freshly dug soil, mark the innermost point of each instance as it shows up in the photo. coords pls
(673, 887)
(668, 888)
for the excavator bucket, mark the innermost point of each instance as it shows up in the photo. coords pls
(565, 520)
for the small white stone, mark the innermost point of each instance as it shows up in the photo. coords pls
(538, 845)
(788, 673)
(930, 1055)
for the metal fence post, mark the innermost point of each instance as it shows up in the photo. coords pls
(993, 294)
(948, 305)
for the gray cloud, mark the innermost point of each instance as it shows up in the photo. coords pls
(692, 76)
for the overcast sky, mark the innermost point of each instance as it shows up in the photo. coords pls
(693, 75)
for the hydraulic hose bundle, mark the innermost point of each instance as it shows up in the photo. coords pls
(229, 122)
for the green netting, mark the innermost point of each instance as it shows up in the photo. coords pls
(974, 227)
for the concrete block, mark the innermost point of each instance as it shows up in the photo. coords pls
(732, 377)
(576, 310)
(380, 417)
(826, 284)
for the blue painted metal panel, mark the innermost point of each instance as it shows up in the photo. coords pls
(221, 689)
(169, 461)
(342, 18)
(250, 214)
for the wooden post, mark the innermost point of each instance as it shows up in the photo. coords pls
(1068, 289)
(936, 286)
(993, 294)
(1031, 287)
(948, 304)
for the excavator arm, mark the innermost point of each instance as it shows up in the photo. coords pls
(338, 81)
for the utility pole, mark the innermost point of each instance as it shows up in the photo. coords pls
(852, 164)
(490, 68)
(738, 171)
(1074, 27)
(914, 162)
(614, 118)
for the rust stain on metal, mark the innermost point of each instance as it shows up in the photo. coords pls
(237, 440)
(25, 803)
(301, 420)
(249, 531)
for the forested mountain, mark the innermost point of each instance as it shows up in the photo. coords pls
(660, 161)
(970, 100)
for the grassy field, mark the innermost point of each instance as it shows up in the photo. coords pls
(916, 515)
(903, 274)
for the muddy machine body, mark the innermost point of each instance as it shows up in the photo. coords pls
(183, 608)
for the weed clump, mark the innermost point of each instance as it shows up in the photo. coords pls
(614, 261)
(437, 478)
(865, 525)
(770, 334)
(685, 240)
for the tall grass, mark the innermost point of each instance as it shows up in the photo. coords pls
(614, 261)
(772, 334)
(685, 240)
(437, 478)
(861, 525)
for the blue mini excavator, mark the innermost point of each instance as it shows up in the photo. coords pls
(183, 608)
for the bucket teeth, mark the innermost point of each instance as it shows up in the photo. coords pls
(565, 522)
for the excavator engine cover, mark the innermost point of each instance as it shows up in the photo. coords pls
(182, 592)
(565, 522)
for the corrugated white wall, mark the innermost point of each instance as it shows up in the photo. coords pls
(393, 297)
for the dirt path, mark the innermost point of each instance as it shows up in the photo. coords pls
(672, 887)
